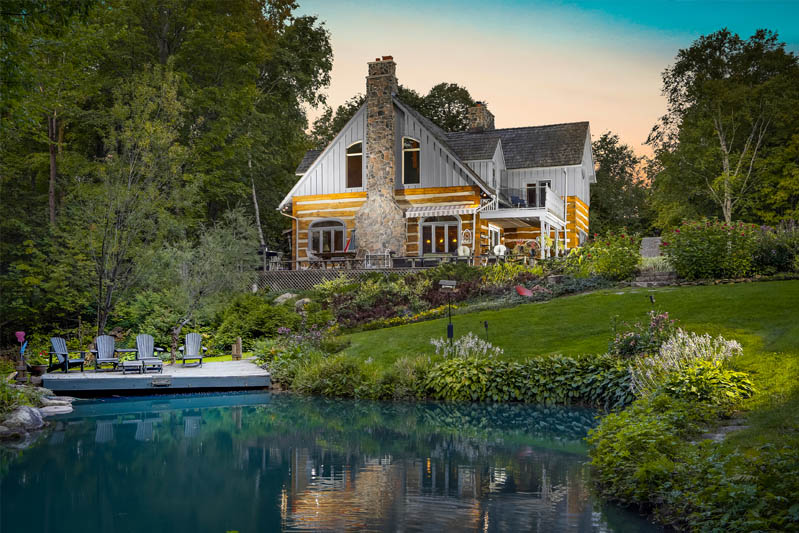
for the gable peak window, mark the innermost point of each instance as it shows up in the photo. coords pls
(411, 161)
(355, 165)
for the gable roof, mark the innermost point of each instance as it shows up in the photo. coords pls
(470, 147)
(441, 136)
(553, 145)
(307, 160)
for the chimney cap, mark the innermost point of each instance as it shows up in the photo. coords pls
(388, 58)
(377, 59)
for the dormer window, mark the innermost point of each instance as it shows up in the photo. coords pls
(411, 152)
(355, 165)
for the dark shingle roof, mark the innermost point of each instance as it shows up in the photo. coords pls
(544, 146)
(307, 160)
(471, 147)
(530, 147)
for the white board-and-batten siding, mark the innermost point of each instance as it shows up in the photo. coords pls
(438, 169)
(328, 174)
(491, 170)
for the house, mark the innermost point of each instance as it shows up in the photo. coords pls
(393, 182)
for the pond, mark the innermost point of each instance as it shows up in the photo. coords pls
(262, 462)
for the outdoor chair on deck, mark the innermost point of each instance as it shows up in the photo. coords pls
(106, 352)
(62, 356)
(193, 349)
(145, 352)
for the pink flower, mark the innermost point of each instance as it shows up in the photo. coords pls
(676, 231)
(20, 336)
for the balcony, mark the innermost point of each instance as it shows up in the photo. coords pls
(543, 198)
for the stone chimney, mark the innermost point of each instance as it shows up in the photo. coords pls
(480, 118)
(380, 222)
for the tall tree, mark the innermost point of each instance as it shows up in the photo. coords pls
(724, 94)
(619, 196)
(121, 216)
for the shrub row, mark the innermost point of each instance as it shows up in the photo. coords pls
(710, 249)
(598, 381)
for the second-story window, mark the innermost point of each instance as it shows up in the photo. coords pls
(411, 161)
(355, 165)
(537, 193)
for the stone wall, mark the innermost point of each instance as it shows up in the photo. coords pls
(480, 118)
(380, 222)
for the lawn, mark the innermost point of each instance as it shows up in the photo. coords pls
(763, 317)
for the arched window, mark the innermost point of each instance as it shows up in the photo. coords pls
(440, 235)
(411, 161)
(355, 165)
(326, 236)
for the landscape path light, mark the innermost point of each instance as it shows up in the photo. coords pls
(448, 286)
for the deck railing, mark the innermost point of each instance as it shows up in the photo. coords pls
(551, 201)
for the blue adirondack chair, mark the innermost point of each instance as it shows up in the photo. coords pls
(193, 348)
(62, 356)
(145, 352)
(105, 353)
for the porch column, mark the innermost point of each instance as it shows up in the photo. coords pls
(557, 242)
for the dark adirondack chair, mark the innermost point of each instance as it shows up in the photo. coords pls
(145, 352)
(106, 352)
(62, 356)
(193, 348)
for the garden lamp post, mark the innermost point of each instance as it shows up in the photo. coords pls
(22, 345)
(448, 286)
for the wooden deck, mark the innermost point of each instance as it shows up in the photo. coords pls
(228, 375)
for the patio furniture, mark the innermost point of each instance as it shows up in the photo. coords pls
(145, 352)
(62, 356)
(106, 352)
(193, 348)
(134, 365)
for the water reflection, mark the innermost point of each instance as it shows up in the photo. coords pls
(258, 462)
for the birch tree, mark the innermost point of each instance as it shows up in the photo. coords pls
(723, 94)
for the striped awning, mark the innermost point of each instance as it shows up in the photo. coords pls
(439, 210)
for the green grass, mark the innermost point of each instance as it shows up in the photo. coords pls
(763, 317)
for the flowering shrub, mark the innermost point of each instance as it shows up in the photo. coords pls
(614, 256)
(679, 352)
(503, 274)
(469, 345)
(639, 339)
(430, 314)
(710, 249)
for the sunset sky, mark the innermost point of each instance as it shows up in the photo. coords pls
(539, 62)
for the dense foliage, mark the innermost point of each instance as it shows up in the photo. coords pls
(711, 249)
(643, 456)
(129, 129)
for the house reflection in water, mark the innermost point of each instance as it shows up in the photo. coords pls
(439, 494)
(267, 462)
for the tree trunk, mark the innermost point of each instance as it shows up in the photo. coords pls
(257, 214)
(175, 338)
(52, 136)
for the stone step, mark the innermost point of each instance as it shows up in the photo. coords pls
(646, 284)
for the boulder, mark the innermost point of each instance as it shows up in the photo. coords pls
(300, 304)
(283, 298)
(52, 410)
(55, 401)
(11, 433)
(24, 417)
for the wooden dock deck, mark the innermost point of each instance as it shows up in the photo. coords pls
(227, 375)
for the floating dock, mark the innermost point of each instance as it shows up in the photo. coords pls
(227, 375)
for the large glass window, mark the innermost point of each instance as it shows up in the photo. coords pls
(440, 235)
(326, 236)
(411, 161)
(355, 165)
(537, 193)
